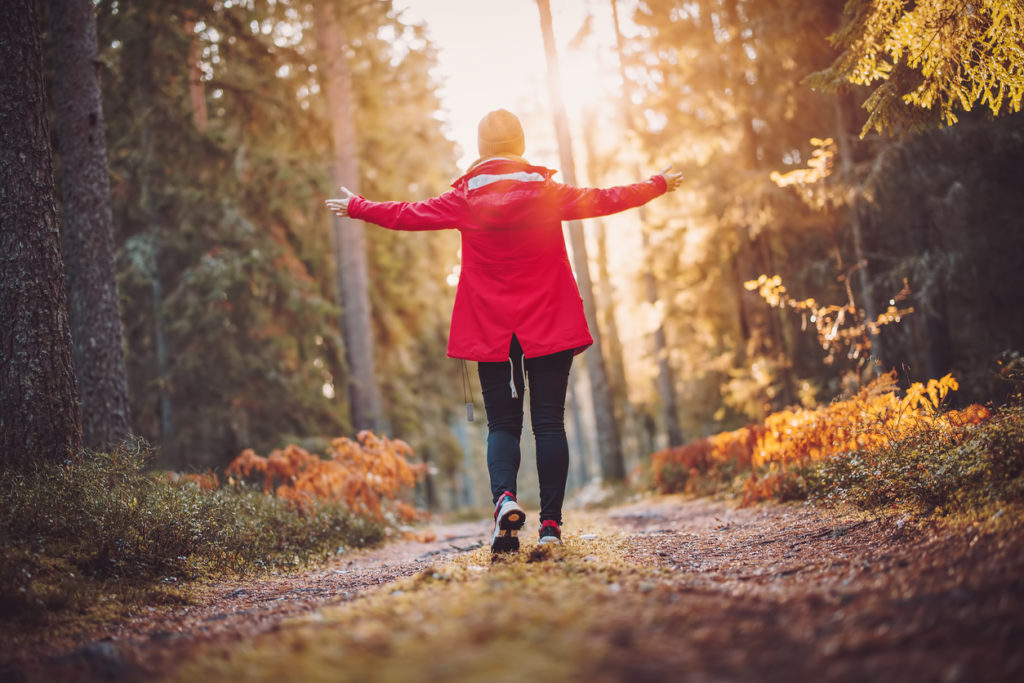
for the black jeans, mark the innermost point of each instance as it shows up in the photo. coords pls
(549, 378)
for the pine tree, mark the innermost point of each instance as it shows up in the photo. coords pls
(87, 225)
(39, 415)
(720, 88)
(930, 60)
(666, 381)
(349, 240)
(228, 221)
(613, 467)
(228, 323)
(405, 155)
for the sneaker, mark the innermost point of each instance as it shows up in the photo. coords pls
(549, 532)
(508, 520)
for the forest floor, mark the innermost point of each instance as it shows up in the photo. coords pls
(667, 588)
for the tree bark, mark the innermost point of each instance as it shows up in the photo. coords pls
(39, 414)
(843, 103)
(350, 242)
(769, 340)
(88, 227)
(143, 82)
(195, 75)
(605, 293)
(575, 432)
(609, 442)
(938, 343)
(666, 384)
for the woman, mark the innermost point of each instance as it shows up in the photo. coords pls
(517, 309)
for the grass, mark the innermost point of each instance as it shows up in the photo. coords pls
(89, 539)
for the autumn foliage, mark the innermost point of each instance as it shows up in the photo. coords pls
(768, 453)
(205, 481)
(368, 475)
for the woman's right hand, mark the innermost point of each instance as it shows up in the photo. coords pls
(672, 179)
(340, 206)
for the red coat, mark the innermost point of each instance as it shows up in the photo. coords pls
(515, 276)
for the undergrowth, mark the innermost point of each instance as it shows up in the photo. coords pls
(105, 532)
(875, 451)
(974, 468)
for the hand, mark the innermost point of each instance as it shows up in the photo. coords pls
(340, 206)
(672, 180)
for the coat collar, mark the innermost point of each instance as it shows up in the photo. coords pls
(483, 160)
(501, 164)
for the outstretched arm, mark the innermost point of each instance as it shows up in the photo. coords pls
(585, 202)
(435, 213)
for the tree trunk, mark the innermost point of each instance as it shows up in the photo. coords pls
(666, 385)
(778, 324)
(842, 107)
(768, 340)
(39, 414)
(609, 443)
(350, 242)
(742, 319)
(618, 386)
(605, 291)
(88, 230)
(143, 81)
(575, 432)
(665, 381)
(160, 344)
(938, 346)
(195, 74)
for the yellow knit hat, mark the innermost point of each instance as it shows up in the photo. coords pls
(500, 132)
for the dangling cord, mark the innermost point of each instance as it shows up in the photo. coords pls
(512, 377)
(465, 391)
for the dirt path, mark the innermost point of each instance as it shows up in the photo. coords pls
(708, 592)
(801, 596)
(238, 610)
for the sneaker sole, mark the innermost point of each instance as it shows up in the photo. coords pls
(508, 542)
(512, 520)
(549, 540)
(506, 530)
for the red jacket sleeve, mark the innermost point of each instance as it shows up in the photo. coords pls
(436, 213)
(585, 202)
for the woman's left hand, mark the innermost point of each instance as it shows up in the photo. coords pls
(672, 179)
(340, 205)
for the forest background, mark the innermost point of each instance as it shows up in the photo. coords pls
(219, 129)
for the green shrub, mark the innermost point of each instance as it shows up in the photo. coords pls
(975, 467)
(105, 524)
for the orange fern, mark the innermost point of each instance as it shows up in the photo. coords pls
(368, 475)
(875, 416)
